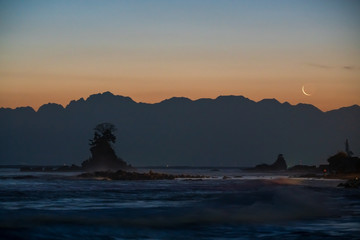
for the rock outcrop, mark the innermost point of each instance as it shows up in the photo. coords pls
(351, 183)
(278, 165)
(103, 156)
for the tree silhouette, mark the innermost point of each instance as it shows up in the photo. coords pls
(341, 162)
(104, 133)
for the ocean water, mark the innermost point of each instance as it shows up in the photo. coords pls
(239, 206)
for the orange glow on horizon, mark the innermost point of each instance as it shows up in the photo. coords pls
(63, 96)
(335, 88)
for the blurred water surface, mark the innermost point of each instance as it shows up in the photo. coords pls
(239, 206)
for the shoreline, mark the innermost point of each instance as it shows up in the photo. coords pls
(340, 176)
(139, 171)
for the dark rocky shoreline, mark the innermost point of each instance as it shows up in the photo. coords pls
(124, 175)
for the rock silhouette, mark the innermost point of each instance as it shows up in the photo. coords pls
(103, 156)
(351, 183)
(278, 165)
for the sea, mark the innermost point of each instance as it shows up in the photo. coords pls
(229, 204)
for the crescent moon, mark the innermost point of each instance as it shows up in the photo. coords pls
(303, 90)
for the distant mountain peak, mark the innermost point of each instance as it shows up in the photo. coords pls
(19, 109)
(352, 107)
(50, 107)
(177, 100)
(286, 104)
(108, 96)
(104, 99)
(108, 93)
(74, 103)
(232, 99)
(305, 106)
(25, 109)
(269, 101)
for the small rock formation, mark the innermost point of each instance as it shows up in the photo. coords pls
(278, 165)
(103, 156)
(351, 183)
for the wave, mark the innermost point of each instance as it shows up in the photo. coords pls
(271, 208)
(257, 202)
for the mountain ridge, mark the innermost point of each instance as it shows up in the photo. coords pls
(125, 99)
(225, 131)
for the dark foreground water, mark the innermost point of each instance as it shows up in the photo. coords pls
(59, 206)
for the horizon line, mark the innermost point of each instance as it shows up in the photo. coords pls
(179, 97)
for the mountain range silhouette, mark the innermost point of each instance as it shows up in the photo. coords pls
(226, 131)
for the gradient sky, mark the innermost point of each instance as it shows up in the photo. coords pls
(56, 51)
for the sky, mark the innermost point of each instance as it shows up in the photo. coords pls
(57, 51)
